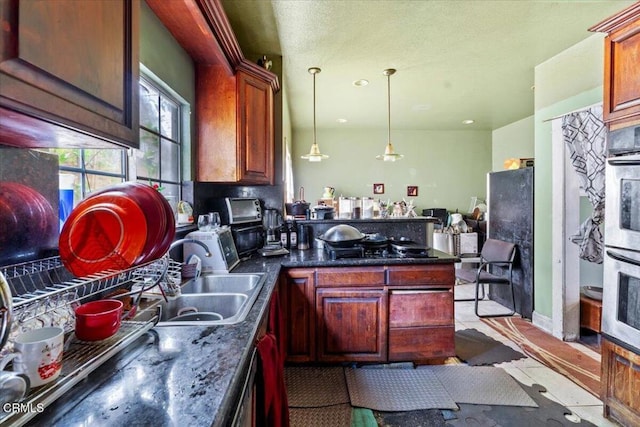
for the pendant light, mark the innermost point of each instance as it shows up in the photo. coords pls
(314, 154)
(389, 153)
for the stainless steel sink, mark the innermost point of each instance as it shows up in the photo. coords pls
(223, 283)
(217, 299)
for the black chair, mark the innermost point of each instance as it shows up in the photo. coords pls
(497, 253)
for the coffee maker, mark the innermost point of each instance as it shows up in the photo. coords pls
(272, 224)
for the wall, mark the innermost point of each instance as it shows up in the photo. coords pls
(569, 81)
(164, 57)
(449, 167)
(516, 140)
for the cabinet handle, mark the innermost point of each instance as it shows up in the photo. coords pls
(421, 291)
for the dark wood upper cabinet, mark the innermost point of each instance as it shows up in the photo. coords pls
(621, 67)
(234, 105)
(69, 73)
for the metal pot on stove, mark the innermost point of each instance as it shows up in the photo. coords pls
(342, 235)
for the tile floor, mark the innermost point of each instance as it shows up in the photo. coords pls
(529, 371)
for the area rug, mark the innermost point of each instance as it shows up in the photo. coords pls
(397, 389)
(476, 348)
(550, 351)
(481, 385)
(313, 387)
(327, 416)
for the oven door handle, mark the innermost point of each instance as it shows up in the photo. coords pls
(623, 258)
(624, 162)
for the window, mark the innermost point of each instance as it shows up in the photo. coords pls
(157, 162)
(158, 159)
(91, 169)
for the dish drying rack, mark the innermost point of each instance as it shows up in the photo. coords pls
(44, 293)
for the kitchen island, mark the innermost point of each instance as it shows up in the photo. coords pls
(186, 375)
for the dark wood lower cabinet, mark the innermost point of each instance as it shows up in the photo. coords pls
(352, 325)
(369, 314)
(298, 301)
(421, 324)
(620, 384)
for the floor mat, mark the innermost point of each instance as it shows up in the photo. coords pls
(550, 351)
(476, 348)
(483, 385)
(327, 416)
(548, 413)
(421, 418)
(397, 389)
(312, 387)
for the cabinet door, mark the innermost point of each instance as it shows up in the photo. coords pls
(621, 383)
(352, 325)
(421, 307)
(69, 72)
(298, 291)
(421, 324)
(255, 127)
(622, 75)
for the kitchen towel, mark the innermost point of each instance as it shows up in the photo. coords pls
(272, 407)
(476, 348)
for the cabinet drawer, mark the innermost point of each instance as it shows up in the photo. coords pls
(350, 276)
(440, 274)
(424, 307)
(421, 343)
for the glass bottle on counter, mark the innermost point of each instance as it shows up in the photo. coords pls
(293, 235)
(284, 236)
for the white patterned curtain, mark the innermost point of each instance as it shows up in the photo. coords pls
(584, 134)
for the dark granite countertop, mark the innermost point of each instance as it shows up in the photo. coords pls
(185, 375)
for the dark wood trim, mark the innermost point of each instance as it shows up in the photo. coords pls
(618, 20)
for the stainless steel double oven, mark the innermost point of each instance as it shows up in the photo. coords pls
(621, 285)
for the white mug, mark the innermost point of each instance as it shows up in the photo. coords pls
(38, 354)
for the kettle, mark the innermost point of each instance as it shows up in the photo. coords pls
(328, 192)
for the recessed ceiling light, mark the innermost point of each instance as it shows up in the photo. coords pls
(342, 120)
(361, 82)
(468, 122)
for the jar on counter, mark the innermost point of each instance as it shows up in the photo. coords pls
(345, 207)
(356, 206)
(367, 207)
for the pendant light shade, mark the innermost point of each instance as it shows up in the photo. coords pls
(389, 153)
(314, 154)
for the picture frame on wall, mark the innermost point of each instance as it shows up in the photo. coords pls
(412, 191)
(378, 188)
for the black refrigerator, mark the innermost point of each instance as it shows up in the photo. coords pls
(510, 209)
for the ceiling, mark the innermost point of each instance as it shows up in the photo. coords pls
(455, 60)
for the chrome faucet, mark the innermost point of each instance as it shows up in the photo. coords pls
(197, 242)
(170, 287)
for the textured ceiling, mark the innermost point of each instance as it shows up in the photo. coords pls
(455, 60)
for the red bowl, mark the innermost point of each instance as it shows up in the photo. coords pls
(159, 215)
(98, 320)
(103, 232)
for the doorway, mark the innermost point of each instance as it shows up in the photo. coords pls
(569, 209)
